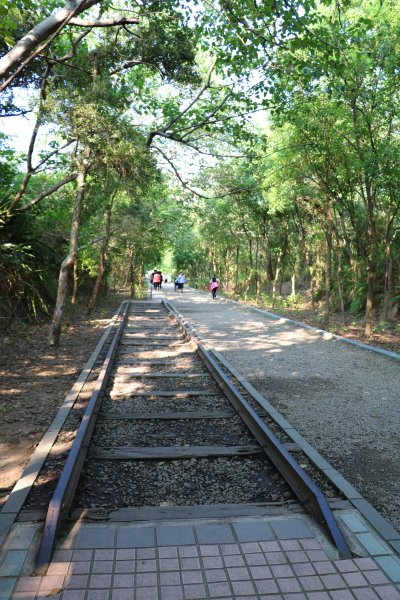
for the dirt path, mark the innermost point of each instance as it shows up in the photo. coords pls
(35, 380)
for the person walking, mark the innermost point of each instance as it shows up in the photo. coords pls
(181, 280)
(214, 285)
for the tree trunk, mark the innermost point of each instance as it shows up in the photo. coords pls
(132, 274)
(76, 279)
(55, 328)
(237, 271)
(328, 266)
(103, 258)
(256, 274)
(371, 264)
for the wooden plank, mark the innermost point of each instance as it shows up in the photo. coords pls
(173, 394)
(171, 452)
(170, 415)
(160, 375)
(161, 336)
(204, 511)
(152, 343)
(153, 361)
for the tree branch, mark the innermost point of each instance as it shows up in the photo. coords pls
(48, 192)
(115, 22)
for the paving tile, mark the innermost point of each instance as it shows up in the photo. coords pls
(215, 575)
(146, 594)
(316, 555)
(28, 584)
(217, 590)
(98, 595)
(78, 555)
(299, 596)
(74, 595)
(13, 562)
(365, 594)
(147, 579)
(188, 564)
(387, 592)
(238, 574)
(195, 591)
(242, 588)
(124, 566)
(270, 546)
(168, 564)
(191, 577)
(229, 549)
(333, 581)
(188, 552)
(6, 587)
(213, 562)
(209, 550)
(101, 581)
(345, 566)
(311, 583)
(290, 545)
(145, 553)
(290, 528)
(168, 552)
(51, 582)
(303, 569)
(255, 559)
(253, 532)
(174, 535)
(391, 566)
(146, 565)
(353, 522)
(376, 577)
(79, 568)
(371, 543)
(62, 555)
(261, 572)
(121, 580)
(297, 556)
(126, 554)
(217, 533)
(355, 579)
(310, 544)
(21, 537)
(318, 596)
(58, 568)
(102, 566)
(100, 537)
(342, 595)
(75, 582)
(234, 561)
(288, 585)
(104, 554)
(266, 586)
(250, 547)
(365, 564)
(324, 567)
(122, 594)
(24, 596)
(172, 577)
(171, 592)
(135, 537)
(275, 558)
(282, 571)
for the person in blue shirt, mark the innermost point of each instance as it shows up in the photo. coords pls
(181, 280)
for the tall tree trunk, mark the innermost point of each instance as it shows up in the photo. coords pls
(132, 267)
(55, 328)
(257, 279)
(102, 259)
(388, 260)
(328, 265)
(371, 263)
(76, 280)
(237, 271)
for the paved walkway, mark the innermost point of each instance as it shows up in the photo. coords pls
(284, 557)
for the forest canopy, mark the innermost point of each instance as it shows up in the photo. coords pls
(254, 139)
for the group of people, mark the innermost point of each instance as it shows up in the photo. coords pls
(156, 279)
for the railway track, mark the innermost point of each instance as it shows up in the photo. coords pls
(166, 430)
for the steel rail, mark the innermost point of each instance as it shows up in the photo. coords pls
(62, 497)
(301, 484)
